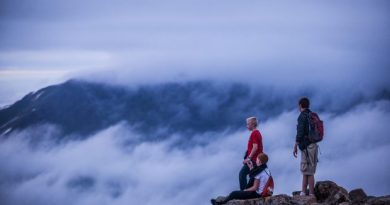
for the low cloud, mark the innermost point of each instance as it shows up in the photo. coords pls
(116, 167)
(101, 170)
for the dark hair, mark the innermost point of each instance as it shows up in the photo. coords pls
(263, 158)
(304, 102)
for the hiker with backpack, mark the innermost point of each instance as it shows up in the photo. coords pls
(309, 132)
(262, 186)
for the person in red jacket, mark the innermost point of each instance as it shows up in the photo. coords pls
(255, 147)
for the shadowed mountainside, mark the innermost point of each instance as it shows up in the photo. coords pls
(82, 108)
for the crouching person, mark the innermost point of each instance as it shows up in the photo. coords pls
(260, 184)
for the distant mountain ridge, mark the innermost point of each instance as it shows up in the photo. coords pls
(80, 107)
(83, 108)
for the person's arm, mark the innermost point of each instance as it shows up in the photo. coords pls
(300, 128)
(250, 165)
(295, 151)
(250, 155)
(255, 186)
(254, 149)
(300, 133)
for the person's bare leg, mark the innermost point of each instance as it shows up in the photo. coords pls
(310, 179)
(304, 183)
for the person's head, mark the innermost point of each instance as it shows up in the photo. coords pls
(261, 159)
(251, 123)
(303, 103)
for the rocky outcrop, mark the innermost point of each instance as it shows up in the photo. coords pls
(383, 200)
(247, 202)
(357, 196)
(326, 193)
(303, 200)
(277, 199)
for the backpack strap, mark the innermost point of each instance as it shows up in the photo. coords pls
(309, 120)
(265, 170)
(269, 186)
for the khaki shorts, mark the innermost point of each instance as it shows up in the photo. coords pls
(309, 160)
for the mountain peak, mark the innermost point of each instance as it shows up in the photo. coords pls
(79, 108)
(82, 108)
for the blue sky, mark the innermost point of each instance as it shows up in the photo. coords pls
(330, 43)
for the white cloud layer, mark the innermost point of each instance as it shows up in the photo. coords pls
(116, 167)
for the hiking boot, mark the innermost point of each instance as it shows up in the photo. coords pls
(213, 202)
(218, 201)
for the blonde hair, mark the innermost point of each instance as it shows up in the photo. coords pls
(252, 119)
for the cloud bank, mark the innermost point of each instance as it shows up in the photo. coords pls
(116, 167)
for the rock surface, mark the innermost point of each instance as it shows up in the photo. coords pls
(278, 199)
(247, 202)
(383, 200)
(357, 195)
(326, 193)
(304, 200)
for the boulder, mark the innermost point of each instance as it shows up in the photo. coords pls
(330, 193)
(357, 195)
(324, 189)
(382, 200)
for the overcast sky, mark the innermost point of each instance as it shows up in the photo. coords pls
(279, 43)
(328, 47)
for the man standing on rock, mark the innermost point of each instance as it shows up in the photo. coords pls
(254, 148)
(309, 151)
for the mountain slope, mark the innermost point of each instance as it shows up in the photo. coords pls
(82, 108)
